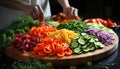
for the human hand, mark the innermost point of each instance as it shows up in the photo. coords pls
(70, 12)
(35, 11)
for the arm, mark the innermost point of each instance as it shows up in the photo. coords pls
(14, 4)
(69, 11)
(64, 3)
(33, 10)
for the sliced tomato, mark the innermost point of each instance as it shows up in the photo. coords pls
(110, 23)
(104, 23)
(115, 24)
(88, 21)
(64, 20)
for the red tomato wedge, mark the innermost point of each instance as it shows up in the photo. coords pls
(106, 23)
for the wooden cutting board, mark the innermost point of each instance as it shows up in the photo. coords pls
(67, 60)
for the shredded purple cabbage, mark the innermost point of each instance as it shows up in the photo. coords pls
(104, 37)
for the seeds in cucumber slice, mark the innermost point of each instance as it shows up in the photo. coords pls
(86, 49)
(92, 48)
(81, 40)
(85, 46)
(74, 44)
(80, 46)
(77, 50)
(87, 37)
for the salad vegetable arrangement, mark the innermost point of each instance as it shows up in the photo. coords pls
(68, 38)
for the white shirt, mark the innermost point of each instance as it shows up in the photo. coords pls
(8, 15)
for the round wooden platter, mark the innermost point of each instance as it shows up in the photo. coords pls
(66, 60)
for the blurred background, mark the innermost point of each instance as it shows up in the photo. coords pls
(86, 9)
(91, 8)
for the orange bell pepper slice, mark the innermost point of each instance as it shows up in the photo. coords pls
(68, 52)
(47, 49)
(60, 54)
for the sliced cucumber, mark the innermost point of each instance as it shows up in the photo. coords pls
(87, 37)
(74, 44)
(98, 43)
(81, 40)
(91, 48)
(86, 49)
(91, 40)
(85, 46)
(96, 39)
(77, 50)
(96, 46)
(80, 46)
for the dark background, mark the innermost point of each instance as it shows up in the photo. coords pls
(91, 8)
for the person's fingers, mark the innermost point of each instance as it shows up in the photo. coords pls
(41, 13)
(32, 14)
(66, 14)
(36, 12)
(75, 12)
(69, 12)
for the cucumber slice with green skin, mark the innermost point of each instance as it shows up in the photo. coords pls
(96, 39)
(97, 43)
(87, 37)
(77, 50)
(81, 40)
(80, 46)
(96, 46)
(85, 46)
(91, 48)
(86, 49)
(74, 44)
(83, 34)
(91, 40)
